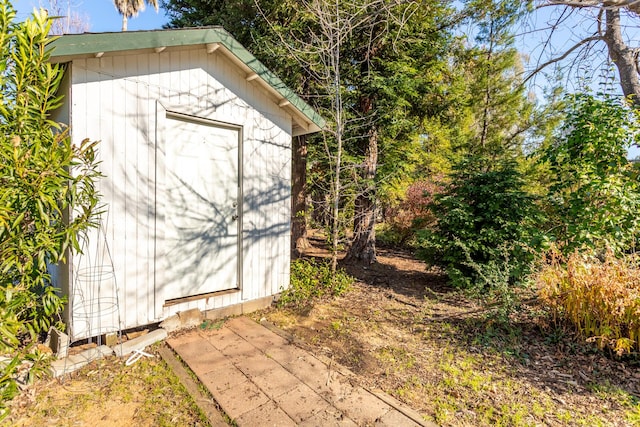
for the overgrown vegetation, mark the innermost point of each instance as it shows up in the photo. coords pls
(47, 193)
(311, 280)
(599, 298)
(590, 280)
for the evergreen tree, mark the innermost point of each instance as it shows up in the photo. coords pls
(496, 99)
(486, 234)
(398, 68)
(390, 58)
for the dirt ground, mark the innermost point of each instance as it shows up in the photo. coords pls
(403, 330)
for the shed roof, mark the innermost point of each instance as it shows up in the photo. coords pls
(72, 46)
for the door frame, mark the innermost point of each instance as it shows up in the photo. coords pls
(166, 112)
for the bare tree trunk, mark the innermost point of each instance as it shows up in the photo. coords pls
(625, 57)
(337, 189)
(299, 197)
(124, 22)
(363, 246)
(615, 35)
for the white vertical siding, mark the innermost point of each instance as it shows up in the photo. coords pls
(115, 100)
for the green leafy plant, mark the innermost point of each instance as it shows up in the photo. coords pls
(594, 194)
(486, 236)
(47, 191)
(311, 280)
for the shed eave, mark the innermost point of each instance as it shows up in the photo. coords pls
(69, 47)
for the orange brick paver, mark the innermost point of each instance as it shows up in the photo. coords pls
(260, 378)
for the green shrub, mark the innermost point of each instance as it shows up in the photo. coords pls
(486, 236)
(594, 195)
(311, 280)
(43, 177)
(599, 298)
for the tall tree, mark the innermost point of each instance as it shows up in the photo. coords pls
(391, 80)
(496, 99)
(375, 56)
(241, 17)
(605, 25)
(129, 8)
(299, 240)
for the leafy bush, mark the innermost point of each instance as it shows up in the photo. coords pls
(312, 279)
(47, 193)
(412, 213)
(486, 235)
(599, 298)
(594, 193)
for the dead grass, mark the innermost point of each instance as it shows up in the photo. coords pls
(108, 393)
(600, 298)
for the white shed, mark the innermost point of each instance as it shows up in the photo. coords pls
(195, 148)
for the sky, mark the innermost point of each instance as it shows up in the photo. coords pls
(100, 14)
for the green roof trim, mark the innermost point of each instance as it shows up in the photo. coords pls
(68, 46)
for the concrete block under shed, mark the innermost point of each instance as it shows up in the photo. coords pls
(171, 323)
(73, 363)
(140, 342)
(238, 309)
(183, 319)
(256, 304)
(58, 342)
(221, 313)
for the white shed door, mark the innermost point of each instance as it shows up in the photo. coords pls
(200, 247)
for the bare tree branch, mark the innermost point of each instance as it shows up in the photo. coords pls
(563, 56)
(611, 20)
(65, 19)
(633, 5)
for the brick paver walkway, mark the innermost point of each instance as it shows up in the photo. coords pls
(260, 379)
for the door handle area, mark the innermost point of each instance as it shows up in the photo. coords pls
(234, 217)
